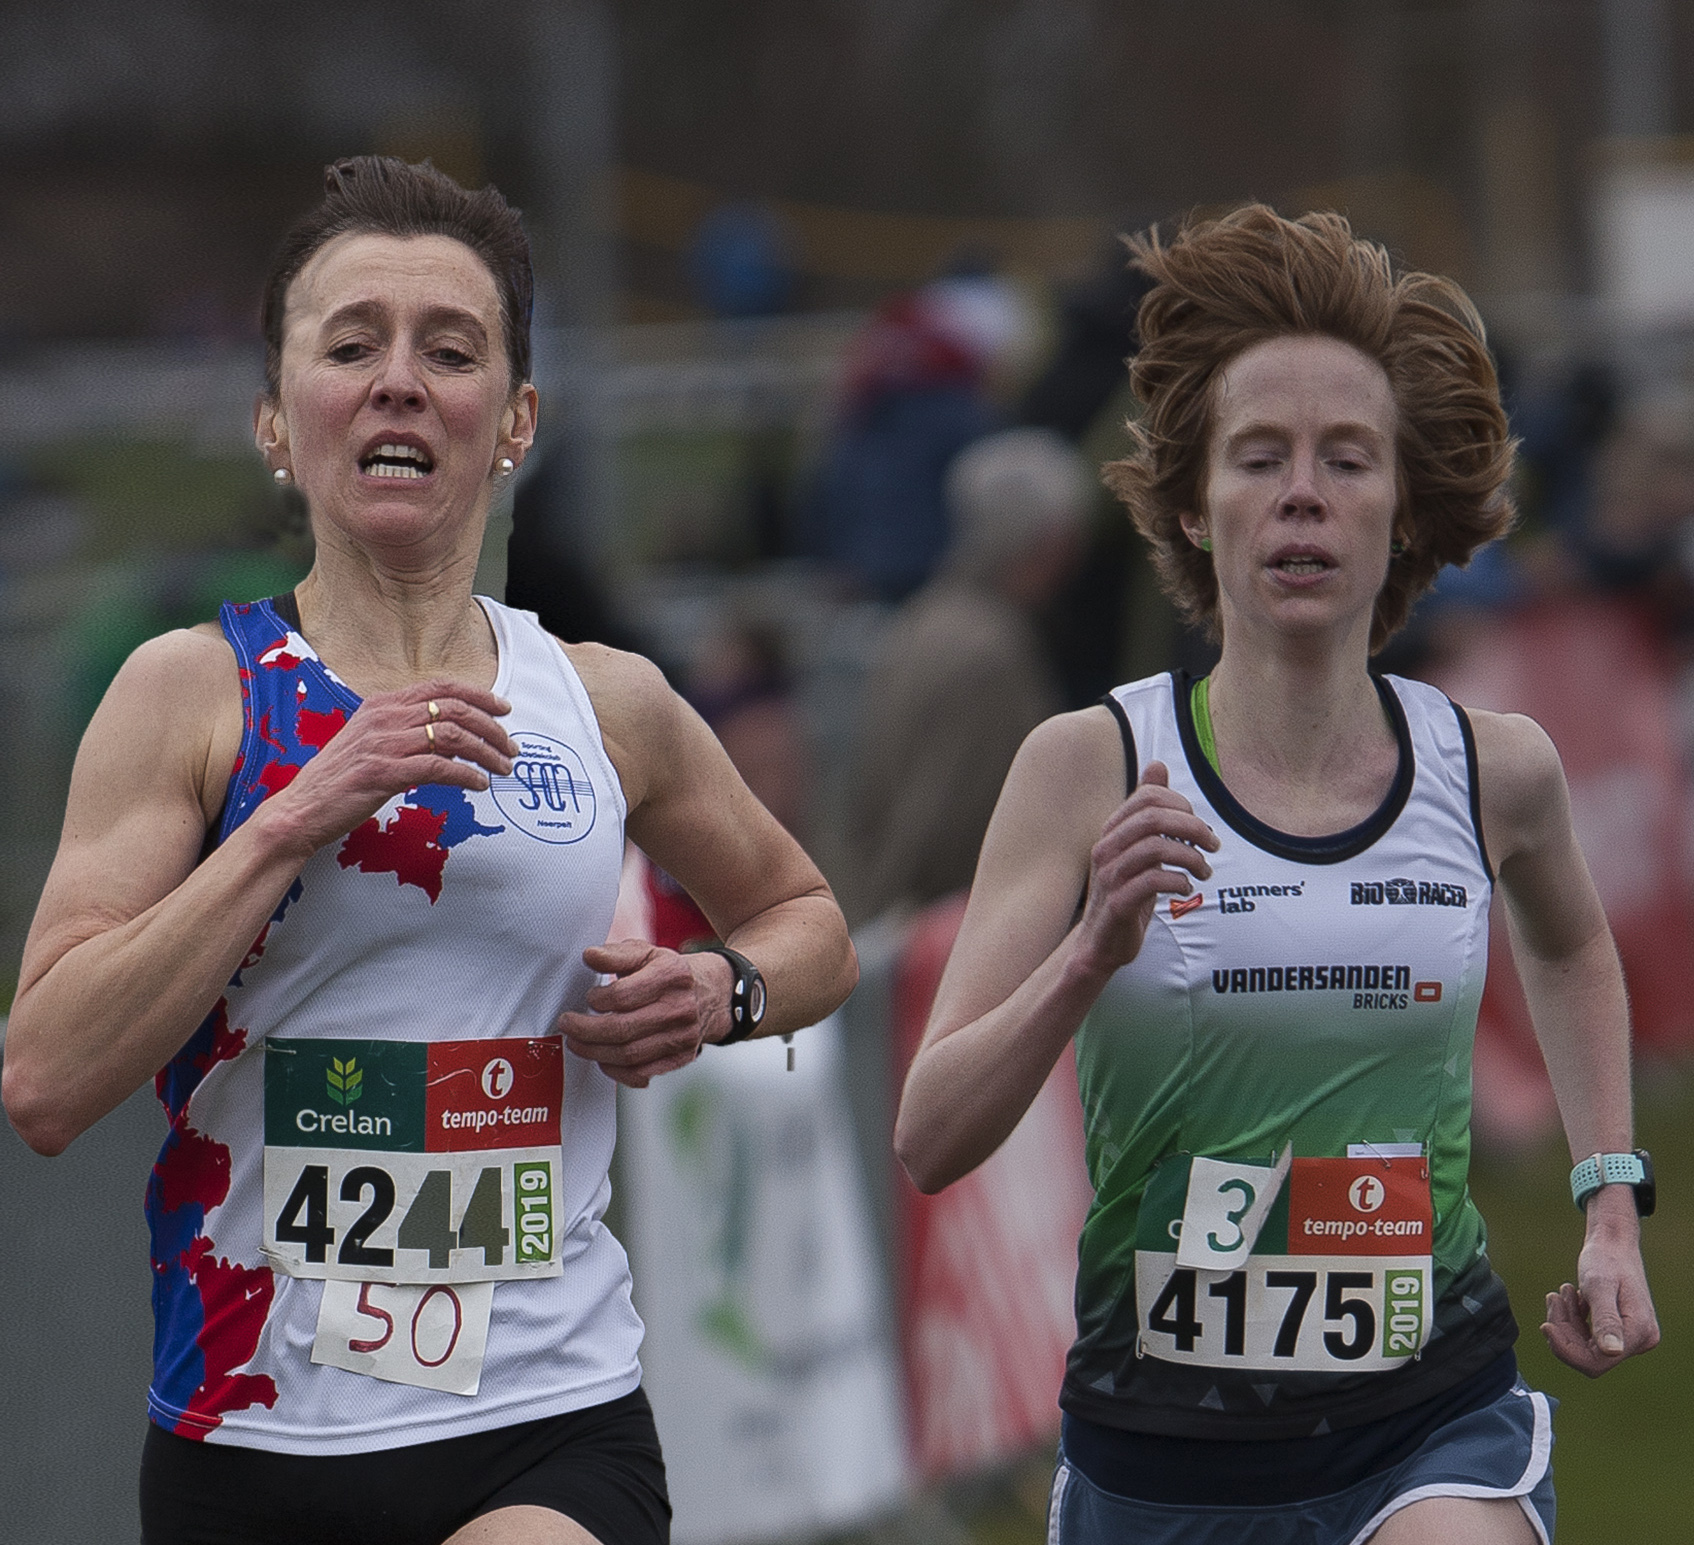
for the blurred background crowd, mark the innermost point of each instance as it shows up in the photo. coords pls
(832, 322)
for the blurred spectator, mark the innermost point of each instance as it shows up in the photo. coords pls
(1083, 394)
(915, 396)
(961, 676)
(1639, 536)
(1560, 431)
(741, 688)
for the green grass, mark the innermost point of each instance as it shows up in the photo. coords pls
(1623, 1444)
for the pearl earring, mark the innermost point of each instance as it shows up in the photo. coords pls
(505, 467)
(282, 477)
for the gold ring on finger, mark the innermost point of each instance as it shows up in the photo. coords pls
(429, 730)
(434, 710)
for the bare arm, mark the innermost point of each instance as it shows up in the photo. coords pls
(691, 814)
(135, 937)
(1574, 986)
(1024, 973)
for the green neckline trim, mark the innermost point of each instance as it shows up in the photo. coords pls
(1199, 702)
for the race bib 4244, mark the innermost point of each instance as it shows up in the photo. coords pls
(1337, 1279)
(407, 1161)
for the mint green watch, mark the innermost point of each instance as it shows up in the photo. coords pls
(1616, 1169)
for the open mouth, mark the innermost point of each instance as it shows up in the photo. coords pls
(398, 461)
(1303, 565)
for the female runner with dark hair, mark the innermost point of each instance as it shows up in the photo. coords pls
(338, 870)
(1271, 954)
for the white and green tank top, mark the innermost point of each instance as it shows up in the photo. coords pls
(1277, 1100)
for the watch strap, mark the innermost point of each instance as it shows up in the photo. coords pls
(746, 993)
(1613, 1169)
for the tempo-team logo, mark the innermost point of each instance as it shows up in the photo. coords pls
(548, 794)
(1367, 1194)
(1408, 893)
(497, 1079)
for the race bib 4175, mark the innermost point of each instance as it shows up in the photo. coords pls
(1338, 1278)
(407, 1161)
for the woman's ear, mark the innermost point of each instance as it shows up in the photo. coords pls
(270, 430)
(517, 423)
(1195, 530)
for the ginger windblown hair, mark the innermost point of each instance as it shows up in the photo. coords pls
(1222, 286)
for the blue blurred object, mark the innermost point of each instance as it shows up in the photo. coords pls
(1490, 581)
(741, 261)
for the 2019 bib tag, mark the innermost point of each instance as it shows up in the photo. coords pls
(410, 1161)
(1336, 1278)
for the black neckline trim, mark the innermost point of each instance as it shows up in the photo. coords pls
(1334, 849)
(287, 608)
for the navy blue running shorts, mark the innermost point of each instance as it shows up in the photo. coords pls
(1501, 1450)
(600, 1467)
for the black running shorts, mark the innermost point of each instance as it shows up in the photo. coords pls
(600, 1467)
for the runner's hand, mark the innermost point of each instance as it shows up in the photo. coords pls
(1609, 1315)
(1151, 846)
(655, 1016)
(385, 749)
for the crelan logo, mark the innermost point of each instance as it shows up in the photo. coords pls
(345, 1080)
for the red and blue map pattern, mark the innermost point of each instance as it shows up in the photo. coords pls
(209, 1311)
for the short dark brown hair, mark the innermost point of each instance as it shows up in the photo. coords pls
(1221, 287)
(384, 196)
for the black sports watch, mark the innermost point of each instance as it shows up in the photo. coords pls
(746, 994)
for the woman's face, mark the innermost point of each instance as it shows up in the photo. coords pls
(395, 399)
(1301, 488)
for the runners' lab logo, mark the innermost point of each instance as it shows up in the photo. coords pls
(1408, 893)
(548, 793)
(1249, 898)
(344, 1081)
(1181, 906)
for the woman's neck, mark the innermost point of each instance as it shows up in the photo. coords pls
(379, 629)
(1304, 743)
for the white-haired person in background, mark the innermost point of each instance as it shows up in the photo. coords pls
(962, 674)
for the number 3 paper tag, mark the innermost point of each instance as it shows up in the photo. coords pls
(1226, 1206)
(407, 1333)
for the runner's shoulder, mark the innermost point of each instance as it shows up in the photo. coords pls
(1072, 763)
(1083, 748)
(174, 707)
(640, 716)
(1520, 778)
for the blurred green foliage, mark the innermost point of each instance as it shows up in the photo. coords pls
(159, 495)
